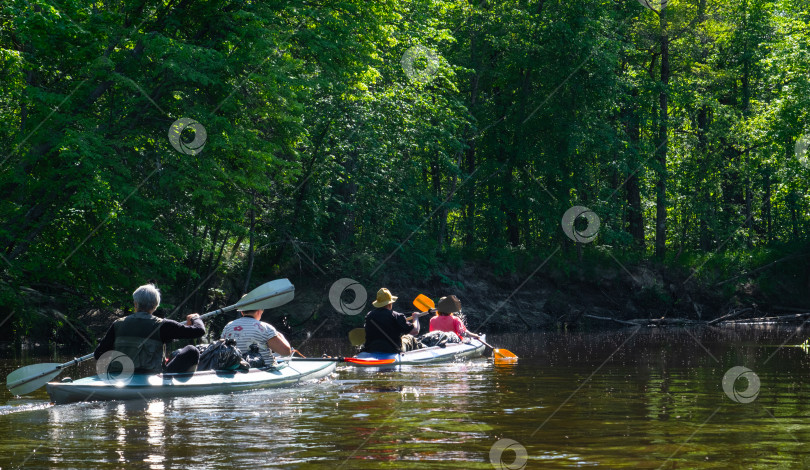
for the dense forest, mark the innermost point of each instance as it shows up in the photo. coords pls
(211, 144)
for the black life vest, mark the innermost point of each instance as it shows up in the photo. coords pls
(138, 336)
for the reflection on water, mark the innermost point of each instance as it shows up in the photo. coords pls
(651, 398)
(138, 421)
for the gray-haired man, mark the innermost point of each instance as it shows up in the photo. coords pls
(142, 336)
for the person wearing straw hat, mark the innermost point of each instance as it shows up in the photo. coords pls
(388, 331)
(446, 320)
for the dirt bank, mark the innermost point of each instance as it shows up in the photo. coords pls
(590, 297)
(552, 298)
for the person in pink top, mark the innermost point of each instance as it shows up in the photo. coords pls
(445, 320)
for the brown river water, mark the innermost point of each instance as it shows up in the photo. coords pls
(635, 398)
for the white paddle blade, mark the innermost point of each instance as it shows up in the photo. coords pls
(268, 295)
(27, 379)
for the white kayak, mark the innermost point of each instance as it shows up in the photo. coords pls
(451, 352)
(145, 386)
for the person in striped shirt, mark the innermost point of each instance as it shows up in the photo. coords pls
(249, 329)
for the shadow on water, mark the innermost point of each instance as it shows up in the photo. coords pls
(705, 397)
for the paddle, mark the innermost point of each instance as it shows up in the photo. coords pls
(425, 303)
(352, 360)
(500, 354)
(268, 295)
(27, 379)
(357, 336)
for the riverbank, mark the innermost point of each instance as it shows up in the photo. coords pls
(547, 293)
(599, 295)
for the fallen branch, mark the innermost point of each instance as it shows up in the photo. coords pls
(727, 316)
(672, 322)
(776, 319)
(624, 322)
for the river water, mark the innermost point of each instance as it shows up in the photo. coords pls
(636, 398)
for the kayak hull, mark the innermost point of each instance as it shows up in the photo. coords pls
(450, 353)
(146, 386)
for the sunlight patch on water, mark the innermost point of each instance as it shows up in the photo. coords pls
(25, 406)
(510, 411)
(572, 459)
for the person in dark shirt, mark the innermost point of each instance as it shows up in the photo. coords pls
(142, 336)
(388, 331)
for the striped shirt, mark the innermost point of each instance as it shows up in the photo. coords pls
(248, 330)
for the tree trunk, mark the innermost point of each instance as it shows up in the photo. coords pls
(469, 167)
(704, 199)
(444, 236)
(438, 222)
(302, 190)
(197, 300)
(663, 128)
(746, 101)
(794, 217)
(635, 216)
(766, 204)
(345, 219)
(250, 247)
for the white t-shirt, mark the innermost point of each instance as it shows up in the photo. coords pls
(248, 330)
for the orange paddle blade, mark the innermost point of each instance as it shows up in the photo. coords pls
(423, 303)
(370, 362)
(504, 355)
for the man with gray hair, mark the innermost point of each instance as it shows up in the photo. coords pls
(142, 336)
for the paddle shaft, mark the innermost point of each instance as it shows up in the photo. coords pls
(485, 343)
(351, 360)
(245, 305)
(217, 312)
(310, 359)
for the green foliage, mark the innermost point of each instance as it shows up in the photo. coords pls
(324, 154)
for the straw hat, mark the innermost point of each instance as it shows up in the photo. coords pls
(449, 304)
(384, 298)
